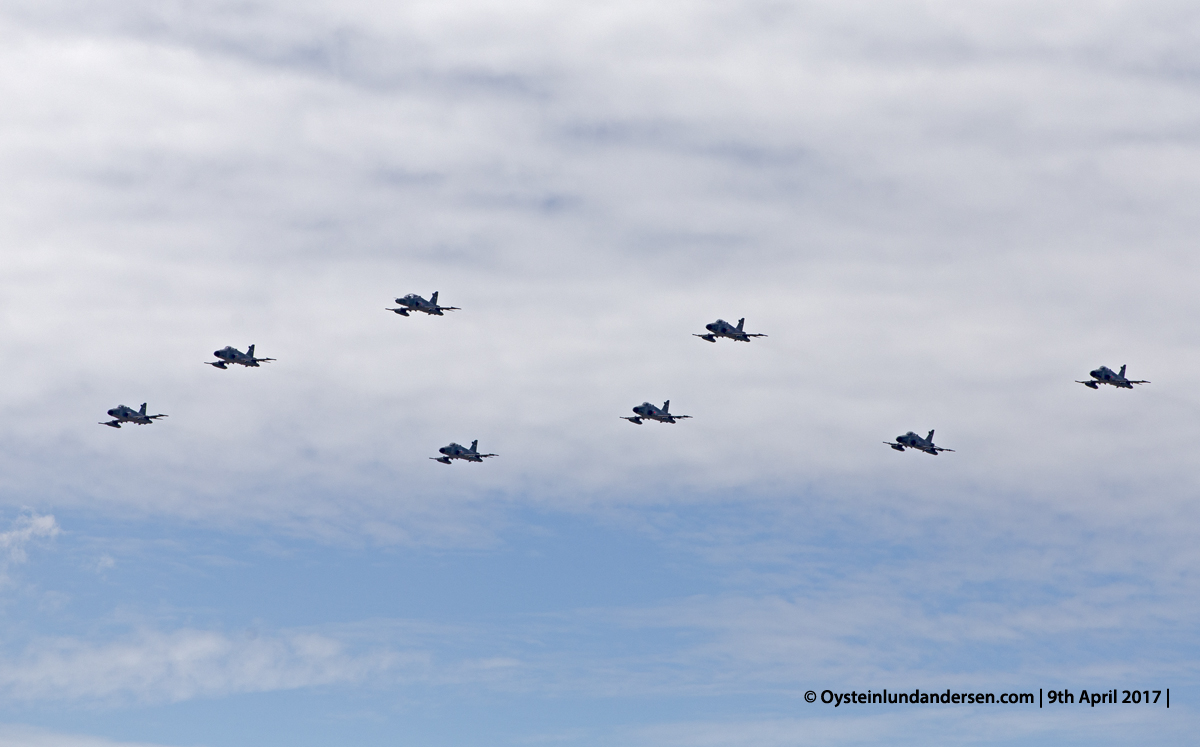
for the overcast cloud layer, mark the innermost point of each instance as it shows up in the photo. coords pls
(941, 215)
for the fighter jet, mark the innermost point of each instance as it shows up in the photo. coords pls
(230, 354)
(722, 328)
(413, 302)
(913, 441)
(123, 414)
(647, 411)
(458, 451)
(1105, 375)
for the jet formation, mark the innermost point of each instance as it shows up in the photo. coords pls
(413, 302)
(230, 354)
(123, 414)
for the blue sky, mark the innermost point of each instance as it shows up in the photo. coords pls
(941, 216)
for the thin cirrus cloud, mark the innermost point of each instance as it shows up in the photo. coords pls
(184, 664)
(24, 736)
(28, 528)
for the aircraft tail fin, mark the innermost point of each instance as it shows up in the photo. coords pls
(1122, 371)
(740, 323)
(433, 298)
(250, 352)
(929, 438)
(143, 410)
(474, 444)
(667, 406)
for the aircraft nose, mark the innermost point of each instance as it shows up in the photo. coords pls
(113, 412)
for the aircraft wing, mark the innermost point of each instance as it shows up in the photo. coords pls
(632, 418)
(401, 312)
(217, 364)
(710, 338)
(112, 424)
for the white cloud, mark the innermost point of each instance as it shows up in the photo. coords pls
(12, 735)
(155, 666)
(941, 214)
(927, 210)
(26, 529)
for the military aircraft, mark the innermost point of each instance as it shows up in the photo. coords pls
(647, 411)
(125, 414)
(913, 441)
(722, 328)
(458, 451)
(230, 354)
(1105, 375)
(413, 302)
